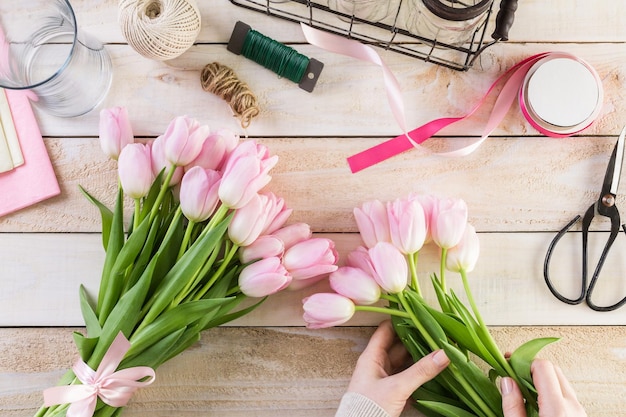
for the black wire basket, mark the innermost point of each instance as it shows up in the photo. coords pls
(391, 33)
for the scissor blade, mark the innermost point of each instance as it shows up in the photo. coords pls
(614, 169)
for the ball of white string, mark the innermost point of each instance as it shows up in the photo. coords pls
(159, 29)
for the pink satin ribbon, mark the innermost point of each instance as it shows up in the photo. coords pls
(410, 139)
(113, 388)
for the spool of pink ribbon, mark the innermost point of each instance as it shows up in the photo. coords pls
(559, 94)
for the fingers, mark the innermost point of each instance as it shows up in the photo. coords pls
(421, 371)
(566, 387)
(512, 399)
(556, 394)
(548, 386)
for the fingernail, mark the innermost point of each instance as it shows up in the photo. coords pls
(506, 385)
(440, 358)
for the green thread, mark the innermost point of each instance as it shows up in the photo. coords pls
(273, 55)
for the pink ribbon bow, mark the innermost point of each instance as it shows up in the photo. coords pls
(113, 388)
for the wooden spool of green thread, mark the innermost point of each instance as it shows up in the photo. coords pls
(275, 56)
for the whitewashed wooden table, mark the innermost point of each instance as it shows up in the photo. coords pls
(520, 187)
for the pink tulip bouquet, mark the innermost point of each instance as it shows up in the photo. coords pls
(203, 237)
(386, 269)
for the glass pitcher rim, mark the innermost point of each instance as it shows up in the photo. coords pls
(59, 70)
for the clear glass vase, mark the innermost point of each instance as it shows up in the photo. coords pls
(43, 50)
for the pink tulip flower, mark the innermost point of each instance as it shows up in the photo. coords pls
(407, 225)
(248, 221)
(215, 150)
(246, 172)
(327, 310)
(373, 223)
(183, 140)
(464, 255)
(115, 131)
(355, 284)
(277, 214)
(264, 247)
(198, 193)
(135, 170)
(448, 222)
(264, 277)
(294, 233)
(428, 203)
(389, 266)
(308, 261)
(160, 163)
(360, 258)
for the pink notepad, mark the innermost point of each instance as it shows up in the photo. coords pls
(35, 180)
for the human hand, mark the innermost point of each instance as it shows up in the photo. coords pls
(375, 373)
(556, 395)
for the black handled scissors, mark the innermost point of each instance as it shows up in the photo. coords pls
(604, 206)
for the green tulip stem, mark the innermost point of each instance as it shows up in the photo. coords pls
(470, 297)
(488, 339)
(418, 324)
(442, 269)
(233, 291)
(383, 310)
(220, 271)
(164, 187)
(137, 215)
(389, 297)
(186, 238)
(471, 391)
(413, 267)
(192, 284)
(217, 217)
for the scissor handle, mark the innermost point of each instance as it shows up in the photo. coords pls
(615, 228)
(546, 264)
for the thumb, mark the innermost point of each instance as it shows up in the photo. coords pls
(422, 371)
(512, 400)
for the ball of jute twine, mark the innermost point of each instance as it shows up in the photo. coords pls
(159, 29)
(222, 81)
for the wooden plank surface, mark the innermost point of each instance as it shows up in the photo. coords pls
(512, 264)
(520, 186)
(282, 371)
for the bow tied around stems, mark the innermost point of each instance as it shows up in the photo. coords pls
(114, 388)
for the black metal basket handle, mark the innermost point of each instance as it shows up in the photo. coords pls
(504, 20)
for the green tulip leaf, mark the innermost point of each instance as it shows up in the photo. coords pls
(143, 260)
(445, 410)
(154, 355)
(105, 214)
(482, 341)
(171, 237)
(89, 315)
(436, 393)
(107, 298)
(189, 338)
(132, 247)
(180, 316)
(455, 329)
(442, 297)
(475, 378)
(123, 317)
(190, 264)
(150, 199)
(225, 318)
(85, 345)
(524, 355)
(426, 319)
